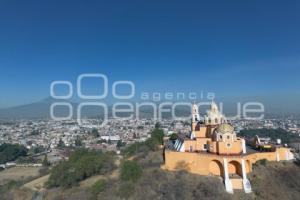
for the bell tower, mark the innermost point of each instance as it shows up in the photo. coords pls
(195, 116)
(195, 113)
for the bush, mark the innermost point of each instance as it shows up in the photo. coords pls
(98, 187)
(174, 136)
(130, 171)
(262, 162)
(45, 162)
(10, 152)
(150, 144)
(8, 186)
(157, 136)
(81, 165)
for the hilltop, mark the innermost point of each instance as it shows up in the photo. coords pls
(270, 180)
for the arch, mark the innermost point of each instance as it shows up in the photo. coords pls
(216, 168)
(234, 167)
(248, 166)
(209, 120)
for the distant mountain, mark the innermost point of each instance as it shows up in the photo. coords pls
(38, 110)
(280, 105)
(41, 110)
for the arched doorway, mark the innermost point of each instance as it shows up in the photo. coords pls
(216, 168)
(234, 168)
(248, 166)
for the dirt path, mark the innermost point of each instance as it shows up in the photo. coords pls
(37, 184)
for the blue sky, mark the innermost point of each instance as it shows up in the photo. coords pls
(232, 48)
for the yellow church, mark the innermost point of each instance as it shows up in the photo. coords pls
(213, 148)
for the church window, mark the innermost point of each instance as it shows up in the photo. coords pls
(191, 148)
(228, 145)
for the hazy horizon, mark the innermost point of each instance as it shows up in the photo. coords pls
(233, 49)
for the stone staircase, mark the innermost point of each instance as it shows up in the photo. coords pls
(237, 183)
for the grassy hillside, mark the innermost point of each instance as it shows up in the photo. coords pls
(276, 180)
(273, 180)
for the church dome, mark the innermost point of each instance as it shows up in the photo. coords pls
(225, 128)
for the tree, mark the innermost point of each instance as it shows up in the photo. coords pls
(109, 141)
(157, 125)
(95, 132)
(150, 144)
(60, 144)
(174, 136)
(130, 171)
(38, 149)
(46, 163)
(78, 142)
(120, 144)
(82, 164)
(157, 135)
(10, 152)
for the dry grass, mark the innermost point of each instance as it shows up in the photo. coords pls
(22, 194)
(18, 173)
(18, 194)
(75, 193)
(160, 184)
(37, 184)
(90, 181)
(275, 180)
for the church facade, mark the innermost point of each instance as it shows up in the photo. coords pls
(213, 148)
